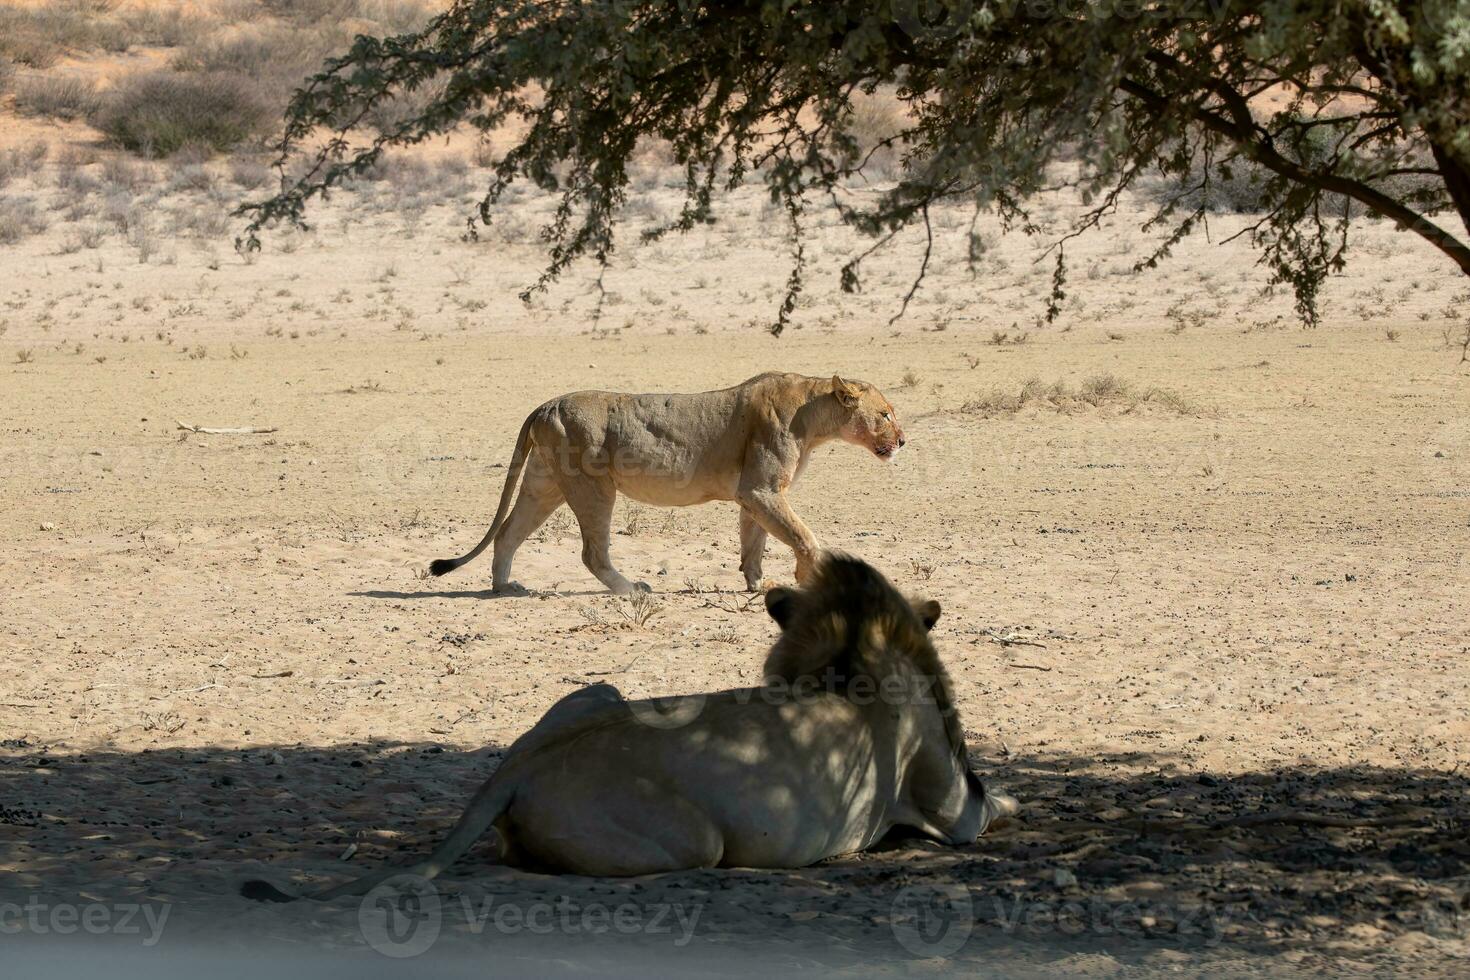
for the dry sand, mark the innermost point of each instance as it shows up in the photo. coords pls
(1161, 614)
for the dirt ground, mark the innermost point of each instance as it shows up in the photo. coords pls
(1225, 589)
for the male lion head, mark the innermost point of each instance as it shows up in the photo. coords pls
(871, 420)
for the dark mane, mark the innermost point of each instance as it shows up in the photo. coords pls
(850, 620)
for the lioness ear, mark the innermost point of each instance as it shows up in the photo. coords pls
(847, 394)
(928, 611)
(781, 604)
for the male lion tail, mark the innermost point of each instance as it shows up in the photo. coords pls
(441, 566)
(485, 808)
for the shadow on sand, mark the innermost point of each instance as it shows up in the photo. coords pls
(1110, 856)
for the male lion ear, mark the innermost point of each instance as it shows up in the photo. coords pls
(781, 604)
(928, 611)
(847, 394)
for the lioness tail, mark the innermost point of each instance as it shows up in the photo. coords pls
(441, 566)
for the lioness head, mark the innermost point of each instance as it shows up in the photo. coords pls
(871, 420)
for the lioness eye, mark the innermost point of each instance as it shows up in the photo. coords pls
(887, 417)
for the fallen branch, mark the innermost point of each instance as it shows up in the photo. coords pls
(192, 690)
(1012, 640)
(1030, 667)
(247, 430)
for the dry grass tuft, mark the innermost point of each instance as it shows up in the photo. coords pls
(638, 609)
(1098, 392)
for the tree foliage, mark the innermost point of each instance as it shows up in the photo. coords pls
(1345, 106)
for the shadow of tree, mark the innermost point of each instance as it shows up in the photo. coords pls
(1109, 855)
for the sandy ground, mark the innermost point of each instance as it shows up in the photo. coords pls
(1162, 615)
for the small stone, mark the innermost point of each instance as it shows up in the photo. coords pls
(47, 526)
(1064, 878)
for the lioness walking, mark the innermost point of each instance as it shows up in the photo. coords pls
(748, 443)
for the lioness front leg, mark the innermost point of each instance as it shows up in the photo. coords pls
(772, 512)
(752, 549)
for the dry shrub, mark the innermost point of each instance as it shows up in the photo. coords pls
(38, 35)
(123, 174)
(249, 173)
(64, 97)
(276, 58)
(21, 161)
(160, 113)
(72, 174)
(391, 113)
(876, 118)
(7, 75)
(1100, 391)
(20, 218)
(164, 27)
(383, 16)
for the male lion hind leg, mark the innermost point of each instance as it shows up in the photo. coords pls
(538, 499)
(752, 550)
(640, 829)
(592, 504)
(997, 806)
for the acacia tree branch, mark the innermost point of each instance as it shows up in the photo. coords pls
(1242, 130)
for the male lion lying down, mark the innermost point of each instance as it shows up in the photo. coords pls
(854, 733)
(748, 443)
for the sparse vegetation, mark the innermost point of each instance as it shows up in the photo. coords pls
(638, 609)
(162, 113)
(1100, 391)
(64, 97)
(20, 217)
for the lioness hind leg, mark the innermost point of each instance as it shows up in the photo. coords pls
(592, 504)
(752, 549)
(539, 498)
